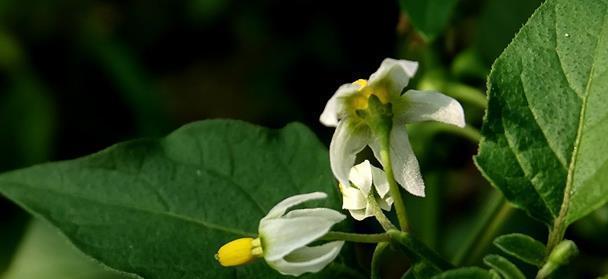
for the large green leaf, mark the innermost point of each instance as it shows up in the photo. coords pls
(162, 208)
(544, 142)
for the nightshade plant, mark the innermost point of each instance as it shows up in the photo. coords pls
(227, 199)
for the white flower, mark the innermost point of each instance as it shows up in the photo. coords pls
(283, 237)
(356, 197)
(346, 111)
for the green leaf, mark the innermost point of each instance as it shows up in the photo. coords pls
(465, 273)
(506, 268)
(429, 17)
(523, 247)
(162, 208)
(544, 132)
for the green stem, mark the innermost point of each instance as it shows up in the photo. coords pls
(556, 234)
(467, 94)
(356, 237)
(495, 213)
(467, 132)
(377, 260)
(382, 219)
(385, 157)
(418, 250)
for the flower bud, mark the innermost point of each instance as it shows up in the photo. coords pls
(239, 252)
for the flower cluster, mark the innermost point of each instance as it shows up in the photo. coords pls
(372, 113)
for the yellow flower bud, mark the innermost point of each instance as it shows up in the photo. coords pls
(239, 252)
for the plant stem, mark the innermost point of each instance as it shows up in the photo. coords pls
(556, 234)
(356, 237)
(495, 213)
(385, 157)
(418, 250)
(467, 94)
(467, 132)
(382, 219)
(377, 260)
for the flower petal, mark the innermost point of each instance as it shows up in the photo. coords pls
(347, 141)
(359, 214)
(418, 106)
(380, 182)
(361, 176)
(279, 209)
(369, 209)
(282, 236)
(405, 164)
(325, 213)
(334, 107)
(386, 203)
(307, 259)
(394, 74)
(352, 198)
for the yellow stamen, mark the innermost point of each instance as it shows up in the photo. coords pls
(239, 252)
(361, 82)
(382, 94)
(359, 102)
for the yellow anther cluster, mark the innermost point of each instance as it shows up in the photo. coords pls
(360, 100)
(239, 252)
(361, 82)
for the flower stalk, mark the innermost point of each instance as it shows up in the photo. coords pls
(394, 188)
(356, 237)
(381, 124)
(382, 219)
(418, 250)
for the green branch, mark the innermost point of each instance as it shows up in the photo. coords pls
(377, 260)
(495, 212)
(393, 187)
(356, 237)
(382, 219)
(418, 250)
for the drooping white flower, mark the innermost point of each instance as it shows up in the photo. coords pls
(346, 111)
(356, 196)
(284, 236)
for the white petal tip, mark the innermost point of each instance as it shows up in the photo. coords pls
(421, 194)
(328, 120)
(417, 190)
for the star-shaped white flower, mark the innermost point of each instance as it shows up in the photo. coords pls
(356, 197)
(284, 236)
(346, 111)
